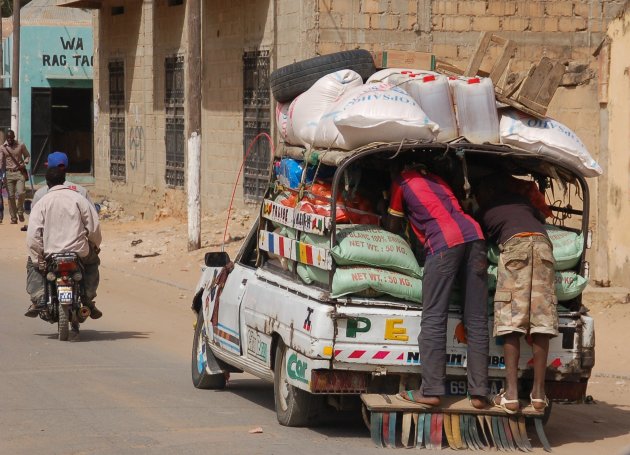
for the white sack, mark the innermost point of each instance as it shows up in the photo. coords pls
(307, 109)
(374, 113)
(282, 120)
(547, 137)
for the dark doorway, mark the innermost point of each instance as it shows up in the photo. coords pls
(61, 120)
(5, 112)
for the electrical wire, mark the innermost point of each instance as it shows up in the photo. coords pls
(249, 149)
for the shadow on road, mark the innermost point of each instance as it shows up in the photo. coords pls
(255, 390)
(576, 423)
(103, 335)
(346, 424)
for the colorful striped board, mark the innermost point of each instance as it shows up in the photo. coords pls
(295, 250)
(288, 216)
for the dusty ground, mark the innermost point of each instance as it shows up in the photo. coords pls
(159, 249)
(603, 427)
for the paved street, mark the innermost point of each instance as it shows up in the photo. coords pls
(126, 388)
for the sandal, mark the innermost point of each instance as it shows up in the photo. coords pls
(544, 400)
(503, 402)
(407, 395)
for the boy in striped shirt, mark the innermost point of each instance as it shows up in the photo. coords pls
(455, 248)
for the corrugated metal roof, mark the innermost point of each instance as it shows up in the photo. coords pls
(46, 12)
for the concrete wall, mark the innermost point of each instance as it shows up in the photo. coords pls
(617, 192)
(130, 37)
(568, 30)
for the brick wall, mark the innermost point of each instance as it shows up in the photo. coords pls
(291, 30)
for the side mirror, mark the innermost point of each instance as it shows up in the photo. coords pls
(216, 259)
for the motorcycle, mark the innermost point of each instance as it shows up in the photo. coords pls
(65, 293)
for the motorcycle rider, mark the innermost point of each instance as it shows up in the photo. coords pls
(63, 221)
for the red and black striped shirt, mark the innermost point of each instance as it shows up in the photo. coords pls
(433, 211)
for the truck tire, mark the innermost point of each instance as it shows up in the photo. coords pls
(292, 80)
(201, 376)
(294, 407)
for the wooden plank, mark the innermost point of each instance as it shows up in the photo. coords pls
(516, 105)
(443, 67)
(513, 82)
(533, 83)
(499, 67)
(450, 404)
(548, 89)
(475, 61)
(498, 40)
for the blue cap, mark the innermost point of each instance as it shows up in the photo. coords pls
(56, 159)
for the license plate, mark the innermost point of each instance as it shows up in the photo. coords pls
(65, 294)
(460, 387)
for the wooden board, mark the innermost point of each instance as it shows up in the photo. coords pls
(452, 405)
(404, 59)
(539, 87)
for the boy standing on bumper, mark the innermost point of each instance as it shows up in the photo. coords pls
(525, 300)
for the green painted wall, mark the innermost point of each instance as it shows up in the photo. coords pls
(50, 56)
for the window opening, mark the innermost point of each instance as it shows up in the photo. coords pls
(174, 109)
(117, 158)
(256, 120)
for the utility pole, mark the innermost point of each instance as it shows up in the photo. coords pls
(193, 122)
(15, 69)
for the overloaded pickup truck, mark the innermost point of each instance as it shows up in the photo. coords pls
(324, 328)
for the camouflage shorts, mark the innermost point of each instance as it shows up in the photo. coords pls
(525, 299)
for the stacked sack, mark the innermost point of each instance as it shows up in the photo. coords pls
(370, 262)
(567, 250)
(341, 112)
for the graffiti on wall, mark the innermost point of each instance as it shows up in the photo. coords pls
(74, 54)
(136, 145)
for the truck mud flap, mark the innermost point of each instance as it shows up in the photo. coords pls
(455, 424)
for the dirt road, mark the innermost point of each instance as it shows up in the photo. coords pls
(126, 387)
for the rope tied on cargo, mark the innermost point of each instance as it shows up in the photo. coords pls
(462, 156)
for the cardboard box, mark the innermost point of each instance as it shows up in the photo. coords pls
(404, 59)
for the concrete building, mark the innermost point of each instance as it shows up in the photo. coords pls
(55, 102)
(140, 100)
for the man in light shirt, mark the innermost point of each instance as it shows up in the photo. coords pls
(63, 221)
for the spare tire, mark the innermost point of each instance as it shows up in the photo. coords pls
(290, 81)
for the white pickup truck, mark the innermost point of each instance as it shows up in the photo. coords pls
(256, 314)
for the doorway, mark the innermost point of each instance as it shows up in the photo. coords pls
(61, 120)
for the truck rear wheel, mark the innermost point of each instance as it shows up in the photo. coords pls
(294, 407)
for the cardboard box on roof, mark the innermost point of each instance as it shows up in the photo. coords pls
(404, 59)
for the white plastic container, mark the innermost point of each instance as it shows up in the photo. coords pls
(434, 96)
(477, 114)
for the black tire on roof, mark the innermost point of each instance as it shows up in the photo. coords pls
(290, 81)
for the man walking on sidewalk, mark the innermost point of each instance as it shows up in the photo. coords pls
(15, 157)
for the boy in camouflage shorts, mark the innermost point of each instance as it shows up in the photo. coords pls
(525, 300)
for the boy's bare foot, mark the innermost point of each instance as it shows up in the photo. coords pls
(479, 402)
(415, 396)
